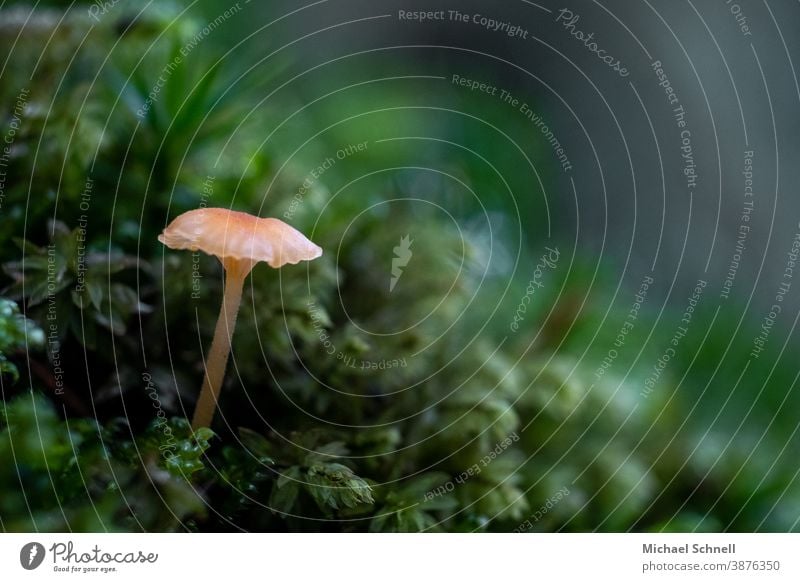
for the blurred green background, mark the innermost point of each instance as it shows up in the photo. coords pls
(348, 406)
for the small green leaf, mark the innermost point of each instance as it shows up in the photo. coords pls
(256, 444)
(284, 497)
(8, 368)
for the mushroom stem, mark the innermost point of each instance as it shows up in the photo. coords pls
(235, 274)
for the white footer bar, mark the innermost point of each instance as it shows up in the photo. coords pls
(395, 557)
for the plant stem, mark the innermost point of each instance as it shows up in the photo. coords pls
(235, 274)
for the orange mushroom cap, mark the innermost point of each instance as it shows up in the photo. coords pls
(229, 234)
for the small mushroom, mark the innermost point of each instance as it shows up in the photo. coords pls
(239, 240)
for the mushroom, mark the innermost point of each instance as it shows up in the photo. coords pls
(239, 240)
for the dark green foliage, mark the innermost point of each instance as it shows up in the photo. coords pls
(79, 476)
(17, 335)
(74, 284)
